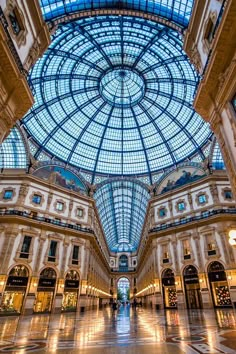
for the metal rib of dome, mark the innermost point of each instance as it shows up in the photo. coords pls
(177, 11)
(114, 96)
(122, 207)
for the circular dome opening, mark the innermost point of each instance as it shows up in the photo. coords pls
(122, 87)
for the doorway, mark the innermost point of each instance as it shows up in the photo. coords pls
(123, 290)
(192, 288)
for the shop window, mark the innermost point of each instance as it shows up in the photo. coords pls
(52, 251)
(181, 206)
(36, 199)
(8, 194)
(59, 206)
(25, 248)
(202, 199)
(80, 212)
(75, 255)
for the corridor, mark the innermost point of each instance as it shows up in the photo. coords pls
(124, 331)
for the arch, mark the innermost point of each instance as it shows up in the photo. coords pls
(49, 273)
(123, 283)
(190, 270)
(192, 287)
(167, 273)
(169, 288)
(19, 270)
(219, 285)
(72, 275)
(215, 266)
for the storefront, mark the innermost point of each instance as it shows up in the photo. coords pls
(192, 288)
(169, 289)
(219, 285)
(70, 296)
(15, 290)
(45, 291)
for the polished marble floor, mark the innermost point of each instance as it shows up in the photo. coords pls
(124, 331)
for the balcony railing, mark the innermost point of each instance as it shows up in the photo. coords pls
(193, 218)
(47, 220)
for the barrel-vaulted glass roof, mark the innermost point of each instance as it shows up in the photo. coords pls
(122, 207)
(13, 152)
(113, 95)
(177, 11)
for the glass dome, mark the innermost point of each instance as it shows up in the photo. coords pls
(113, 96)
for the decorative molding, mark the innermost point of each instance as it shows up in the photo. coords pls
(12, 6)
(31, 197)
(63, 207)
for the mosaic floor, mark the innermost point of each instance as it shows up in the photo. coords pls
(126, 331)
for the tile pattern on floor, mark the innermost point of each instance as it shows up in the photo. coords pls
(126, 331)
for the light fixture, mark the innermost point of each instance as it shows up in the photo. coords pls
(229, 277)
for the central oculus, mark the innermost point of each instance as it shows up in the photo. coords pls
(122, 87)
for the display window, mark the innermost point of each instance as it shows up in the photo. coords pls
(170, 297)
(13, 296)
(169, 289)
(219, 285)
(69, 302)
(12, 301)
(43, 302)
(70, 296)
(221, 295)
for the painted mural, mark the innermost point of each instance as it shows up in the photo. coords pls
(180, 177)
(61, 177)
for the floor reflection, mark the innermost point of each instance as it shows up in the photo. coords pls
(126, 330)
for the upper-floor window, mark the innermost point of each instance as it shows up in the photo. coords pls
(8, 194)
(59, 206)
(75, 255)
(25, 248)
(15, 21)
(228, 194)
(36, 198)
(80, 212)
(181, 206)
(202, 199)
(52, 251)
(162, 212)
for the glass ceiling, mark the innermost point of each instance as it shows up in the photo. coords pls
(12, 151)
(122, 207)
(177, 11)
(113, 96)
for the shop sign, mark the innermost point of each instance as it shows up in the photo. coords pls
(191, 279)
(168, 281)
(71, 283)
(217, 276)
(17, 281)
(47, 282)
